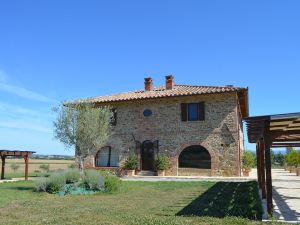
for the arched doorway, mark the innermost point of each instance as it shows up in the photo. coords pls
(147, 155)
(194, 157)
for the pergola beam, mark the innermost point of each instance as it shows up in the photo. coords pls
(285, 145)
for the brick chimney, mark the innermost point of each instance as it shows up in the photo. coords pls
(148, 84)
(169, 82)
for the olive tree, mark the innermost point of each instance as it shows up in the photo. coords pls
(83, 127)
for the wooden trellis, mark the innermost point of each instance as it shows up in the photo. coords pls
(272, 131)
(24, 154)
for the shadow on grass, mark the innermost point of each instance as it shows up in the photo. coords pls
(236, 199)
(21, 188)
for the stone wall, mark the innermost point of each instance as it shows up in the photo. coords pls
(219, 133)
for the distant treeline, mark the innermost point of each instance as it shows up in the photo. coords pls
(54, 157)
(277, 158)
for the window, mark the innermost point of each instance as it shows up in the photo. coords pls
(147, 113)
(106, 157)
(113, 120)
(195, 156)
(192, 111)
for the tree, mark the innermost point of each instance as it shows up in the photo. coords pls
(293, 158)
(289, 149)
(280, 159)
(277, 159)
(84, 127)
(14, 166)
(248, 160)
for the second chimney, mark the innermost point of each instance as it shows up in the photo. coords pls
(148, 84)
(169, 82)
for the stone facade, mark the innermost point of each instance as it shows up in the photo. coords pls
(220, 133)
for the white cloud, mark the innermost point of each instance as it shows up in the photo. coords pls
(22, 92)
(10, 109)
(14, 116)
(28, 125)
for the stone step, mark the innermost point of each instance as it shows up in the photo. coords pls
(146, 173)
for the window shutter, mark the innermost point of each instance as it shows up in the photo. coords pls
(138, 146)
(201, 111)
(156, 146)
(183, 112)
(114, 117)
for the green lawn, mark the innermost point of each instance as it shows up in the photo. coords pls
(138, 203)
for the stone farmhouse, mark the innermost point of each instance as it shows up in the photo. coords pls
(199, 127)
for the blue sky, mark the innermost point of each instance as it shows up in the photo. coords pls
(57, 50)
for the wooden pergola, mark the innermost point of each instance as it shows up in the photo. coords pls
(24, 154)
(272, 131)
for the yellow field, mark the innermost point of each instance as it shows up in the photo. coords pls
(34, 164)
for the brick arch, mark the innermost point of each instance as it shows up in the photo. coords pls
(214, 158)
(111, 150)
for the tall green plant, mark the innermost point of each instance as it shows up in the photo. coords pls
(131, 162)
(162, 162)
(248, 160)
(293, 158)
(83, 127)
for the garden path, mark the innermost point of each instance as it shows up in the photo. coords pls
(286, 195)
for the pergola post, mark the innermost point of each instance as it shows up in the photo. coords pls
(267, 145)
(3, 166)
(26, 159)
(258, 165)
(262, 169)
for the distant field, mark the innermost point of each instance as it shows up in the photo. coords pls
(34, 164)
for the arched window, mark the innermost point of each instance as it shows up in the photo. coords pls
(107, 157)
(195, 156)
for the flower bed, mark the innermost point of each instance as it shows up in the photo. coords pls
(71, 183)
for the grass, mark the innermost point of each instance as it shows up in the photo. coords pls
(149, 203)
(34, 164)
(227, 199)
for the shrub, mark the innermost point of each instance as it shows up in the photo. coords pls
(93, 180)
(45, 167)
(53, 184)
(72, 166)
(41, 185)
(131, 162)
(112, 184)
(72, 176)
(162, 162)
(248, 160)
(56, 183)
(14, 166)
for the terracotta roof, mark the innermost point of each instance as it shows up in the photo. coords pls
(177, 90)
(160, 92)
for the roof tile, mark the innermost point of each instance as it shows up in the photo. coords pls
(160, 92)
